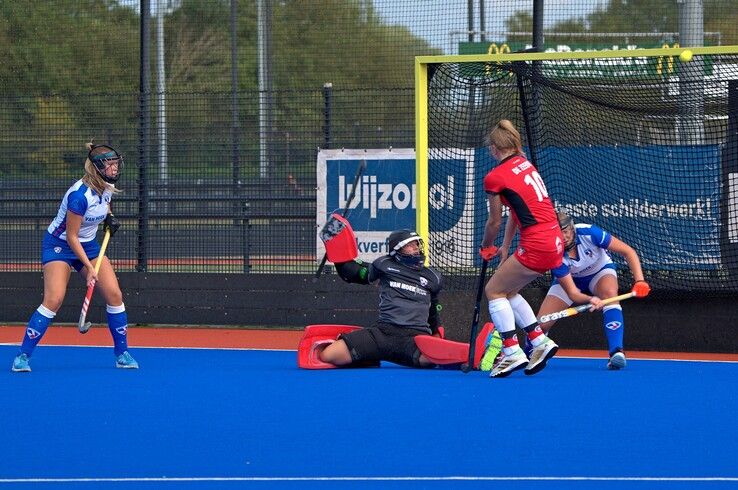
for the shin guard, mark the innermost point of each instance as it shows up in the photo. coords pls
(442, 351)
(314, 339)
(36, 328)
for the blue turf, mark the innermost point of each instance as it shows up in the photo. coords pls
(206, 413)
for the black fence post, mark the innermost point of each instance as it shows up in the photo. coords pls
(327, 114)
(729, 206)
(144, 138)
(240, 207)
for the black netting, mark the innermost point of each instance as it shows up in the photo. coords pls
(646, 148)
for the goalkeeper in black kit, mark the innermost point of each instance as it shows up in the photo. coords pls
(408, 329)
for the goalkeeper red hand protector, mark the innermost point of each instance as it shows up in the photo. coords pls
(641, 289)
(488, 253)
(339, 239)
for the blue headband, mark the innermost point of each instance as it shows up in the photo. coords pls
(105, 156)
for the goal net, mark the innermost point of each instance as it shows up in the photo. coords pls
(639, 142)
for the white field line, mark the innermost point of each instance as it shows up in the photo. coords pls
(374, 479)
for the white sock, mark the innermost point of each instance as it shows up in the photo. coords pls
(45, 311)
(524, 315)
(503, 317)
(115, 309)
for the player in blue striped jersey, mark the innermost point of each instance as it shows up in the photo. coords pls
(588, 261)
(69, 243)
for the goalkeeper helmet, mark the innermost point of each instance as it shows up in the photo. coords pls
(567, 222)
(105, 159)
(398, 240)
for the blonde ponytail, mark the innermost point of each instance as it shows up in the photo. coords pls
(505, 137)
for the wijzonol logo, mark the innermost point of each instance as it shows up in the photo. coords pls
(374, 195)
(386, 195)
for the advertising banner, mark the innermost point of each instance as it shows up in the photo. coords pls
(674, 224)
(385, 200)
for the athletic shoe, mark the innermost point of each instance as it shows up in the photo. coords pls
(507, 364)
(617, 361)
(540, 355)
(126, 361)
(491, 351)
(20, 364)
(527, 348)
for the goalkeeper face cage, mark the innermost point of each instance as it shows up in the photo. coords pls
(399, 239)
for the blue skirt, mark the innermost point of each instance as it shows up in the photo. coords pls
(53, 248)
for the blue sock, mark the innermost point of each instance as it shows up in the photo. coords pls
(613, 320)
(118, 325)
(37, 325)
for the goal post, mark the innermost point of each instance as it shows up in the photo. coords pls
(637, 142)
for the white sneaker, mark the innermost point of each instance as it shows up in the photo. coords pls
(507, 364)
(540, 355)
(617, 361)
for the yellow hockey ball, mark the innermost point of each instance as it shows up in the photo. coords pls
(686, 56)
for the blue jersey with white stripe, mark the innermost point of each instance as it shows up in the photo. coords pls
(85, 202)
(591, 252)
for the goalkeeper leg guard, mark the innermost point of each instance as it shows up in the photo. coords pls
(315, 338)
(442, 351)
(492, 350)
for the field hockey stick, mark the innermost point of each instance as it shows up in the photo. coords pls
(345, 213)
(575, 310)
(81, 324)
(475, 319)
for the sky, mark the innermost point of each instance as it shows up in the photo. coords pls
(443, 23)
(448, 25)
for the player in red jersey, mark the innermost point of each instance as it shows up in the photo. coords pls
(516, 183)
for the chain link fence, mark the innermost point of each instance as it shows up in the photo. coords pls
(221, 130)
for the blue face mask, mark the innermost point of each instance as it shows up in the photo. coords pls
(413, 261)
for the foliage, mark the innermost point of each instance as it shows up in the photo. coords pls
(71, 73)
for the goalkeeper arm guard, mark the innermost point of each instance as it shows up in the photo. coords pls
(434, 317)
(354, 271)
